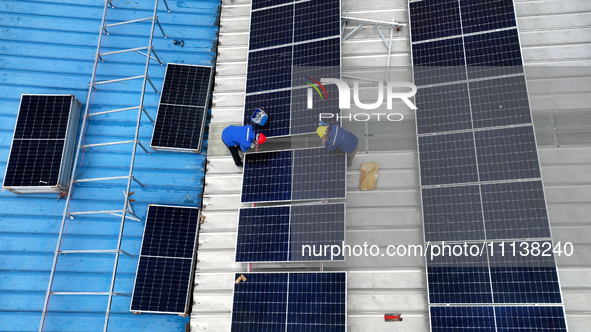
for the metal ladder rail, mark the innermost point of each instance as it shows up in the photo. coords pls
(130, 177)
(132, 164)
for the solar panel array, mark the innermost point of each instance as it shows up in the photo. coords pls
(290, 302)
(45, 125)
(165, 268)
(291, 175)
(292, 43)
(182, 112)
(479, 169)
(280, 233)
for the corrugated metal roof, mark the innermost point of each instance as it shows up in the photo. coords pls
(553, 33)
(48, 47)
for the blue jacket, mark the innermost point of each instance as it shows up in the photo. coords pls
(241, 136)
(341, 139)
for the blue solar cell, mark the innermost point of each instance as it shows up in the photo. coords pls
(277, 106)
(170, 231)
(500, 102)
(186, 85)
(267, 176)
(34, 162)
(452, 214)
(179, 127)
(162, 285)
(316, 226)
(508, 153)
(530, 319)
(43, 117)
(438, 61)
(278, 234)
(317, 19)
(269, 69)
(462, 319)
(258, 4)
(305, 120)
(515, 210)
(271, 27)
(458, 279)
(263, 235)
(432, 19)
(317, 302)
(260, 302)
(322, 53)
(493, 54)
(487, 15)
(447, 159)
(522, 274)
(443, 108)
(318, 174)
(290, 302)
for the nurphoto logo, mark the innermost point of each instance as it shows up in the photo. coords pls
(345, 98)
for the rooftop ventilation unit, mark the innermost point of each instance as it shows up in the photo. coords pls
(42, 150)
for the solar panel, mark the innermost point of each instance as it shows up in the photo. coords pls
(290, 302)
(269, 69)
(182, 112)
(43, 144)
(453, 319)
(179, 127)
(447, 159)
(487, 15)
(318, 174)
(43, 117)
(452, 214)
(458, 278)
(431, 19)
(520, 273)
(317, 19)
(439, 61)
(293, 175)
(317, 302)
(505, 154)
(498, 318)
(449, 40)
(515, 210)
(317, 226)
(290, 41)
(493, 54)
(162, 285)
(263, 234)
(260, 302)
(165, 268)
(170, 231)
(271, 27)
(267, 176)
(530, 319)
(186, 85)
(499, 102)
(443, 108)
(279, 233)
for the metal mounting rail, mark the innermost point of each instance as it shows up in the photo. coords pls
(362, 21)
(106, 251)
(127, 211)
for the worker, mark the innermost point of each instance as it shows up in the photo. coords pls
(335, 137)
(242, 137)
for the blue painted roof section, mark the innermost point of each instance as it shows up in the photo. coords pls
(48, 47)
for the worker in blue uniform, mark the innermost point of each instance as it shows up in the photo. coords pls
(242, 137)
(335, 137)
